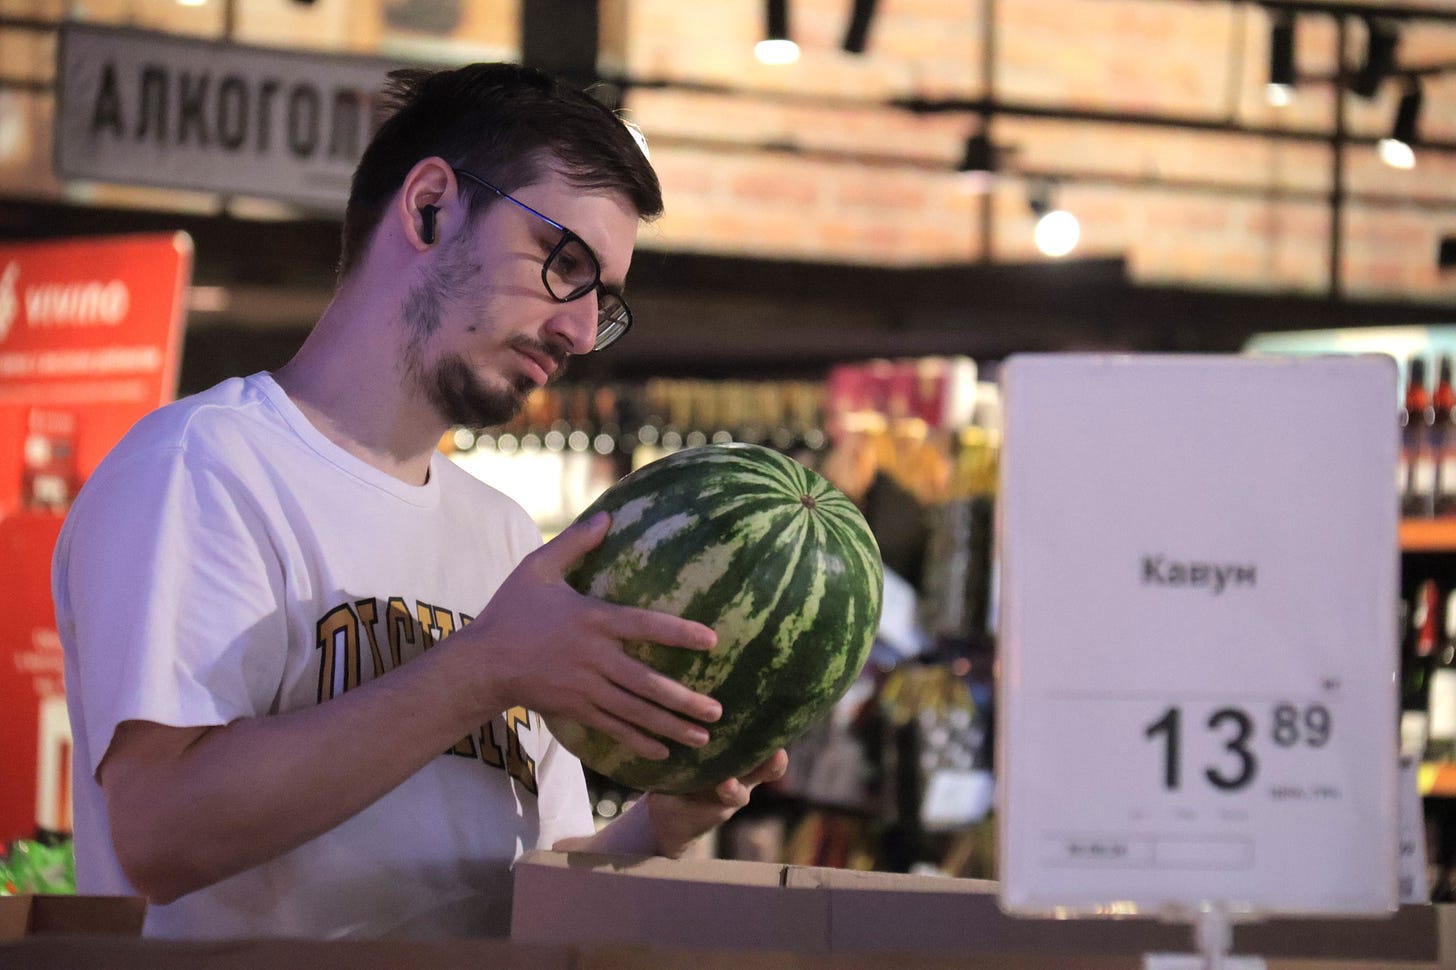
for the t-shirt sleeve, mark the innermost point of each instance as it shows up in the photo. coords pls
(168, 592)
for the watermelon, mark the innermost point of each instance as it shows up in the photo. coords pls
(776, 560)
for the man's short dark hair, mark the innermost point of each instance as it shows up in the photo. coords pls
(506, 123)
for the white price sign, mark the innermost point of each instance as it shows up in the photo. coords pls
(1198, 659)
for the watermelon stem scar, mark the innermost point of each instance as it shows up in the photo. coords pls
(808, 501)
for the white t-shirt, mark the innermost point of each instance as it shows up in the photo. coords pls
(227, 560)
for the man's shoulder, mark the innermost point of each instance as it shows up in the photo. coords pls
(198, 423)
(209, 429)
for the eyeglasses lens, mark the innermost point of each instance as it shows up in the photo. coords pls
(571, 270)
(613, 318)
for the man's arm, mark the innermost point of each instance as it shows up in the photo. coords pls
(191, 806)
(668, 824)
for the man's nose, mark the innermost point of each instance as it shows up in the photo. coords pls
(575, 323)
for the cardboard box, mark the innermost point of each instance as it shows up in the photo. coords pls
(112, 953)
(647, 958)
(579, 898)
(33, 915)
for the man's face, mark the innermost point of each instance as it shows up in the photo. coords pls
(482, 330)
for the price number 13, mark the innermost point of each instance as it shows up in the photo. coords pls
(1292, 726)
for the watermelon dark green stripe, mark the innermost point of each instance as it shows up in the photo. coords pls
(773, 557)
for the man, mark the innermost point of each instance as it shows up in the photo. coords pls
(307, 656)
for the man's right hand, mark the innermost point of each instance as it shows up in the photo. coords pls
(544, 646)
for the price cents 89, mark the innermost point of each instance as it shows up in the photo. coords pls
(1289, 726)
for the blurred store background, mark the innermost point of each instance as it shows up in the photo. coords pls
(859, 228)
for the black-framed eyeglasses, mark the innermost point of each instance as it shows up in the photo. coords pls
(571, 271)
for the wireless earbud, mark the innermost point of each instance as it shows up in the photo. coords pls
(427, 223)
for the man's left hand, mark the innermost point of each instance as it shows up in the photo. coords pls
(679, 820)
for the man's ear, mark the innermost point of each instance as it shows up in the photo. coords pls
(428, 206)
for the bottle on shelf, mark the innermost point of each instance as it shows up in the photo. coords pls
(955, 605)
(654, 424)
(935, 776)
(702, 406)
(1441, 691)
(1443, 440)
(773, 406)
(730, 413)
(1420, 644)
(1418, 466)
(804, 412)
(631, 414)
(679, 398)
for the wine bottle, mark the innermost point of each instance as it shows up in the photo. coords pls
(728, 413)
(631, 414)
(606, 464)
(679, 416)
(1416, 668)
(775, 404)
(701, 407)
(1417, 418)
(803, 405)
(1441, 691)
(753, 428)
(1443, 441)
(654, 421)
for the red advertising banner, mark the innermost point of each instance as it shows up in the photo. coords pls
(90, 341)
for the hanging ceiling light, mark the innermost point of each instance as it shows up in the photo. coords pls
(776, 47)
(1398, 151)
(979, 163)
(856, 37)
(977, 166)
(1280, 89)
(1446, 254)
(1057, 230)
(1382, 37)
(980, 154)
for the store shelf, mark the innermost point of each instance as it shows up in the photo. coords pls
(1428, 535)
(1438, 779)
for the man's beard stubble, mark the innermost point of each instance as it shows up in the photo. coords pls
(451, 386)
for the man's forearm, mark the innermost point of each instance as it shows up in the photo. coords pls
(628, 834)
(240, 795)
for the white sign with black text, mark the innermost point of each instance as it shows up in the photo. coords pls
(1198, 698)
(156, 109)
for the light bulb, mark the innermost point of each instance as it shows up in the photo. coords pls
(1396, 154)
(776, 51)
(1057, 232)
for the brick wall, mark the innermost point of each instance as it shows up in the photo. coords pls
(1206, 208)
(810, 160)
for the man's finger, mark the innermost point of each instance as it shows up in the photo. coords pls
(638, 678)
(651, 719)
(575, 541)
(626, 734)
(772, 769)
(734, 792)
(634, 623)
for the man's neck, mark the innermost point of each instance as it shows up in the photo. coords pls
(346, 381)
